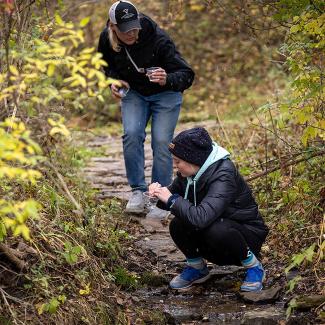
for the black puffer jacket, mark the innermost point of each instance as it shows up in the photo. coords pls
(221, 192)
(153, 48)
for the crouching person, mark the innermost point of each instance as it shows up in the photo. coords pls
(216, 216)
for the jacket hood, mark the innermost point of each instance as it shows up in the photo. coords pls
(216, 154)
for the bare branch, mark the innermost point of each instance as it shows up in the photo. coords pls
(295, 162)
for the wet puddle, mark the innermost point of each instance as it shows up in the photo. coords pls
(208, 307)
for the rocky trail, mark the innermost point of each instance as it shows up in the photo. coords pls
(218, 301)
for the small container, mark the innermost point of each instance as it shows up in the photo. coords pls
(149, 200)
(123, 91)
(150, 70)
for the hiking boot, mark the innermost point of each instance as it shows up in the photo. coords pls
(156, 213)
(135, 203)
(189, 276)
(254, 279)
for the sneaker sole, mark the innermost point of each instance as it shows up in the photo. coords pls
(248, 289)
(136, 211)
(194, 282)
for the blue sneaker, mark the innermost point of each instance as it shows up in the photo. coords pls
(189, 276)
(254, 279)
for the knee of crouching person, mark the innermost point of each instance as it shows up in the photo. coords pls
(175, 226)
(219, 232)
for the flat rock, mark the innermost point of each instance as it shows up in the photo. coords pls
(269, 316)
(153, 225)
(267, 295)
(308, 302)
(162, 246)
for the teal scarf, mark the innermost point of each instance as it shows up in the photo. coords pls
(216, 154)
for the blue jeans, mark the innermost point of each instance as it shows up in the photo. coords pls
(136, 111)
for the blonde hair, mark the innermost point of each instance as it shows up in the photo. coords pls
(113, 39)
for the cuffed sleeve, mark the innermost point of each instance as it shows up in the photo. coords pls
(174, 188)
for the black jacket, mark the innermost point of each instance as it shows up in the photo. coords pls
(221, 192)
(153, 48)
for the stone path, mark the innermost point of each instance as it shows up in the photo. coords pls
(107, 174)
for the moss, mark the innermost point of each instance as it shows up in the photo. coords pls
(152, 280)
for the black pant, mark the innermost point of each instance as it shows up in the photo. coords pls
(225, 242)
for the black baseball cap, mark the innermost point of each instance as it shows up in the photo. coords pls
(125, 15)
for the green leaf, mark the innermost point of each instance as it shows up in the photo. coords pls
(53, 305)
(292, 283)
(309, 253)
(62, 298)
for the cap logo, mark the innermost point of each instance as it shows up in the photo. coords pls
(171, 146)
(127, 14)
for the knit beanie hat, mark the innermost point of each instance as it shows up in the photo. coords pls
(193, 145)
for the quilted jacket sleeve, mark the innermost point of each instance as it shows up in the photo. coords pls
(222, 190)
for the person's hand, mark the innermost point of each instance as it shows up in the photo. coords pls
(162, 193)
(115, 89)
(152, 188)
(158, 76)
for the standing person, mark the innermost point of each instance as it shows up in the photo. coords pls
(216, 217)
(150, 69)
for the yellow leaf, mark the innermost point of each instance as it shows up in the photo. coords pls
(91, 73)
(13, 70)
(87, 50)
(40, 308)
(75, 83)
(84, 21)
(197, 7)
(83, 63)
(60, 130)
(23, 230)
(36, 99)
(51, 122)
(91, 93)
(59, 20)
(9, 222)
(50, 70)
(82, 81)
(85, 291)
(69, 79)
(3, 96)
(101, 98)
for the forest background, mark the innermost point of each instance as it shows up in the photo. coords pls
(259, 74)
